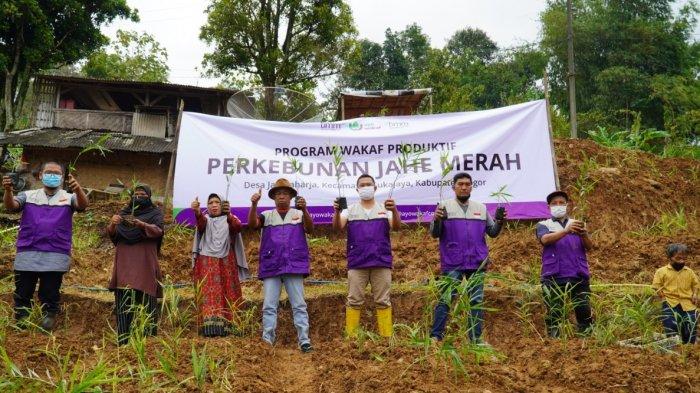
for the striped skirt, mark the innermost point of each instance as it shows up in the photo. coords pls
(136, 308)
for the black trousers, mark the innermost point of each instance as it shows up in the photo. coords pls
(555, 292)
(49, 291)
(127, 302)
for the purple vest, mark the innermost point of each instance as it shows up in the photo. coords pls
(44, 227)
(566, 258)
(462, 244)
(283, 248)
(368, 244)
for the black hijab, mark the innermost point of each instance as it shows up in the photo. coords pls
(145, 211)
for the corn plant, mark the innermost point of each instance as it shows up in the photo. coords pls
(98, 146)
(407, 158)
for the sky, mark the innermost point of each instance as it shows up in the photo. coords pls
(176, 24)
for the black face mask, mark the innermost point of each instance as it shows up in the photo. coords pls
(677, 266)
(463, 198)
(142, 203)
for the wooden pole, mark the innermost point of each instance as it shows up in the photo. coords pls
(342, 106)
(572, 71)
(173, 155)
(551, 130)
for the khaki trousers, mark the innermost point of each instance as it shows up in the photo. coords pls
(379, 279)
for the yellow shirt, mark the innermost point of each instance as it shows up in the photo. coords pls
(677, 287)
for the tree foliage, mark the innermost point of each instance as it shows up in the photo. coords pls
(469, 73)
(132, 56)
(38, 35)
(631, 56)
(280, 42)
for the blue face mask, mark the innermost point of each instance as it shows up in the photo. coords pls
(51, 180)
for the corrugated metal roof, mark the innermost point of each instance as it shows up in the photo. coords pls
(137, 84)
(370, 103)
(63, 138)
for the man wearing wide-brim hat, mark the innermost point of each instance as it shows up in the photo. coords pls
(284, 257)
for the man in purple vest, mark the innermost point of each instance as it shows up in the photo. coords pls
(284, 258)
(564, 265)
(368, 253)
(462, 224)
(44, 240)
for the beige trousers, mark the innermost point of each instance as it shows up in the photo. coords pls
(380, 280)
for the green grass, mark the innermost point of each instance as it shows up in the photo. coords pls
(668, 224)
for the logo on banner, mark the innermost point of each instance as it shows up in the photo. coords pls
(355, 125)
(398, 124)
(331, 126)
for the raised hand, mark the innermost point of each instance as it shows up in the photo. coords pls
(440, 213)
(195, 204)
(226, 207)
(256, 197)
(336, 205)
(389, 204)
(73, 183)
(7, 183)
(301, 203)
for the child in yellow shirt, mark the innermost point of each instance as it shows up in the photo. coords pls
(679, 287)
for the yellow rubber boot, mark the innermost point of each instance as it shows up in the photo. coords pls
(352, 321)
(384, 322)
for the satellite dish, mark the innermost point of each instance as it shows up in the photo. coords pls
(274, 103)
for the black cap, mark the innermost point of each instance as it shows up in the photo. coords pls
(556, 194)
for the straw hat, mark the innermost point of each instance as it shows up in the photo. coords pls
(280, 184)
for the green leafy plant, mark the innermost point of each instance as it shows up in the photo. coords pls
(447, 167)
(635, 138)
(337, 157)
(668, 224)
(201, 365)
(407, 158)
(501, 195)
(97, 145)
(13, 159)
(585, 184)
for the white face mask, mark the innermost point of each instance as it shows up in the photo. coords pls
(558, 211)
(366, 193)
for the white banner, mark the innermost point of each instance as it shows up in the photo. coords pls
(506, 149)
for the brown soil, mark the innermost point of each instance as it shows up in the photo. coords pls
(529, 363)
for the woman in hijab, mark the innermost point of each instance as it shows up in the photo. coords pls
(137, 233)
(219, 266)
